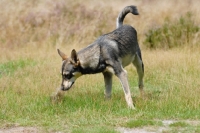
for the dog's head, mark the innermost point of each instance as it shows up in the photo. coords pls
(70, 69)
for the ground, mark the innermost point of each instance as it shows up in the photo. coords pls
(165, 128)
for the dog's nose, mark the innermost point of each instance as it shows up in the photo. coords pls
(62, 87)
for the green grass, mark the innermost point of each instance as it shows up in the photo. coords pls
(179, 124)
(142, 123)
(94, 129)
(25, 97)
(10, 67)
(183, 127)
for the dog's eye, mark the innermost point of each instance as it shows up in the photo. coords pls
(67, 76)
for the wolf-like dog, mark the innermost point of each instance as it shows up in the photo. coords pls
(108, 55)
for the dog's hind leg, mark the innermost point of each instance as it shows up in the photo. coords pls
(122, 75)
(108, 84)
(137, 62)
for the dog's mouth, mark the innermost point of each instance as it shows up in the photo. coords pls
(63, 88)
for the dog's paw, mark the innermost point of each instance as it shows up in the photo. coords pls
(131, 106)
(107, 98)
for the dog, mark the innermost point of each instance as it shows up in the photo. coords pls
(108, 55)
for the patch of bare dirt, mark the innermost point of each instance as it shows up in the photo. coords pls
(20, 130)
(164, 128)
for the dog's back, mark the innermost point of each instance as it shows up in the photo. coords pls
(124, 37)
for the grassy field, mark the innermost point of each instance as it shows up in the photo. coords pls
(30, 68)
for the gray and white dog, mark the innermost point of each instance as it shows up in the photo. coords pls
(109, 54)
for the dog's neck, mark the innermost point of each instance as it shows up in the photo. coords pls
(89, 56)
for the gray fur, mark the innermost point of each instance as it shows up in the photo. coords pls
(109, 54)
(126, 10)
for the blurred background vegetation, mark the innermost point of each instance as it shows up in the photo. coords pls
(161, 24)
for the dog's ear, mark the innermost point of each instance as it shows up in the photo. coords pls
(62, 55)
(74, 56)
(75, 61)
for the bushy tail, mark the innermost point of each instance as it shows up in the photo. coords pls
(124, 12)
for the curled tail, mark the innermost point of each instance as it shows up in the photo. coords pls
(124, 12)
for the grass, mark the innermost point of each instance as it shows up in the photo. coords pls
(184, 127)
(179, 124)
(30, 66)
(142, 123)
(25, 97)
(174, 34)
(10, 67)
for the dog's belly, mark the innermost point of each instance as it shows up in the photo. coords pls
(126, 60)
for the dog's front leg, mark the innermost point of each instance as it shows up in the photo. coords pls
(124, 81)
(108, 84)
(57, 96)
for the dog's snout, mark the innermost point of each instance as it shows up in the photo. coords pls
(62, 87)
(65, 87)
